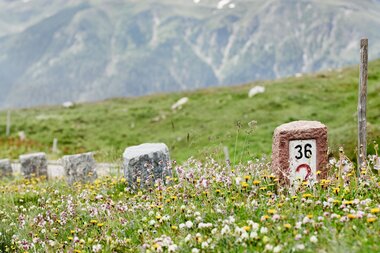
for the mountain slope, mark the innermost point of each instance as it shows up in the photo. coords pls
(90, 50)
(213, 118)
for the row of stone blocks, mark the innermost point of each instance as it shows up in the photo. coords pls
(143, 164)
(79, 167)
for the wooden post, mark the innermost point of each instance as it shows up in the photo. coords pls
(55, 146)
(8, 129)
(227, 156)
(362, 105)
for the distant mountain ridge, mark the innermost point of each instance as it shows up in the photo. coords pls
(54, 51)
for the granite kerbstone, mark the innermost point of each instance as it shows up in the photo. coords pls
(146, 163)
(5, 168)
(34, 165)
(79, 168)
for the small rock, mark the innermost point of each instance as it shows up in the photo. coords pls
(22, 135)
(34, 165)
(180, 103)
(146, 163)
(5, 168)
(256, 90)
(68, 104)
(79, 168)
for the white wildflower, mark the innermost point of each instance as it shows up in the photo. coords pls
(264, 230)
(96, 248)
(189, 224)
(313, 239)
(277, 249)
(173, 248)
(253, 235)
(269, 247)
(225, 230)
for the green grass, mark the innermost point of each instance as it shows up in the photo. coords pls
(213, 118)
(204, 206)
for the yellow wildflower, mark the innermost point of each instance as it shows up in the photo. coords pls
(371, 219)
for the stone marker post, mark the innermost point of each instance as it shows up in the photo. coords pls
(34, 165)
(299, 151)
(79, 168)
(5, 168)
(146, 163)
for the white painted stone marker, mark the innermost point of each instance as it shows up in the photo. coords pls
(34, 165)
(299, 151)
(146, 163)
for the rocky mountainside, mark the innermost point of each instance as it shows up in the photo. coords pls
(54, 51)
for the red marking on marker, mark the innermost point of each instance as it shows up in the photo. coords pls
(305, 167)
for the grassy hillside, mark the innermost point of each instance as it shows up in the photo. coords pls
(213, 118)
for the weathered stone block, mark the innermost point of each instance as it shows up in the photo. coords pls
(79, 168)
(146, 163)
(5, 168)
(299, 151)
(34, 165)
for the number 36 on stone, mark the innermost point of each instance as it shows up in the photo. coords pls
(302, 159)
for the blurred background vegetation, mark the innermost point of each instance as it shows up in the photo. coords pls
(213, 118)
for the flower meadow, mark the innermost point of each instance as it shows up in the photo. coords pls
(202, 207)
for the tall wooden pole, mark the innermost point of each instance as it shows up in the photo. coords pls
(362, 104)
(8, 128)
(55, 146)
